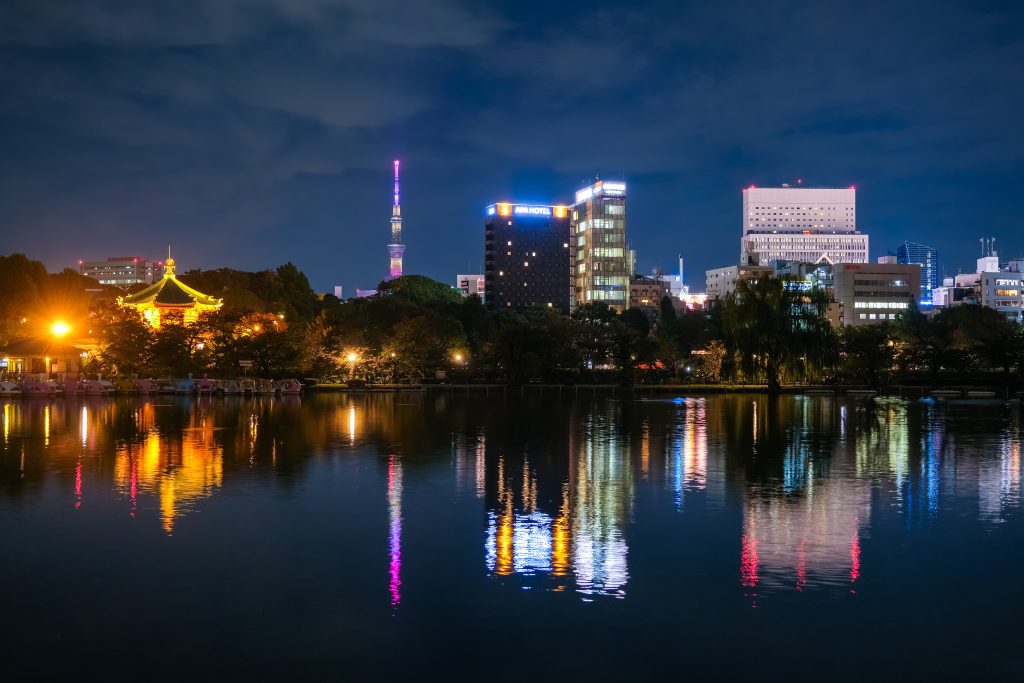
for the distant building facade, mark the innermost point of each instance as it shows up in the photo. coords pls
(722, 281)
(801, 224)
(872, 293)
(646, 293)
(527, 256)
(121, 271)
(1003, 291)
(469, 285)
(927, 258)
(601, 263)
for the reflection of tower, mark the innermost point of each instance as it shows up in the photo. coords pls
(396, 250)
(395, 529)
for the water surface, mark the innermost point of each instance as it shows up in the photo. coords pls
(508, 537)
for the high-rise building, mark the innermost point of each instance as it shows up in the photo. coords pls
(470, 285)
(927, 258)
(121, 271)
(526, 256)
(601, 263)
(396, 250)
(801, 224)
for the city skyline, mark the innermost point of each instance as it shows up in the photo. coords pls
(251, 137)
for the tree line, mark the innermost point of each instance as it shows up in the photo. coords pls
(770, 331)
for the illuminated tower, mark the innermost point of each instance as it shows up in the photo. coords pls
(396, 249)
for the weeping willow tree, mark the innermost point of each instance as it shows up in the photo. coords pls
(778, 328)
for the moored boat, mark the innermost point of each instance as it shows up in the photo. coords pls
(40, 388)
(205, 387)
(289, 387)
(266, 386)
(145, 386)
(248, 386)
(96, 387)
(9, 389)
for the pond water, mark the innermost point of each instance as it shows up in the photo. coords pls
(431, 536)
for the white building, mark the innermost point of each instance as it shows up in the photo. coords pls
(801, 224)
(722, 281)
(470, 285)
(1004, 292)
(121, 271)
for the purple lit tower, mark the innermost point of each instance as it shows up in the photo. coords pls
(396, 250)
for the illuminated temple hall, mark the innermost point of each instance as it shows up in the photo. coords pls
(169, 299)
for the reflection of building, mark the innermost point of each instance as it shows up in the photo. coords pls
(526, 256)
(584, 537)
(178, 472)
(801, 224)
(120, 271)
(395, 530)
(601, 262)
(809, 540)
(170, 300)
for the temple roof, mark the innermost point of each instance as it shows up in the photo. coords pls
(168, 291)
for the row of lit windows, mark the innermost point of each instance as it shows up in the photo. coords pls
(881, 283)
(1007, 292)
(881, 304)
(878, 316)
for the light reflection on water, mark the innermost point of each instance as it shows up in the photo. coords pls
(807, 495)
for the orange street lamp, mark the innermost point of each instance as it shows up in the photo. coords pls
(59, 328)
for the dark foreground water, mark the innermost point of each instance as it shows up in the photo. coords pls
(546, 538)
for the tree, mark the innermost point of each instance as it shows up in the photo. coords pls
(419, 289)
(776, 327)
(870, 350)
(124, 339)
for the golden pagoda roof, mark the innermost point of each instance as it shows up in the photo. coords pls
(169, 292)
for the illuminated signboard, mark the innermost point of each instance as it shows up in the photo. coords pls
(506, 209)
(523, 210)
(584, 194)
(613, 188)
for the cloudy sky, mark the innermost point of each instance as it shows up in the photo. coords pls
(252, 132)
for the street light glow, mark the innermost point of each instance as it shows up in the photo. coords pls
(59, 328)
(352, 357)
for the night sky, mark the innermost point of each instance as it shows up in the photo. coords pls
(252, 132)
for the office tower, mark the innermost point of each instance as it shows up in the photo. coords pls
(396, 250)
(526, 256)
(927, 258)
(801, 224)
(601, 264)
(121, 271)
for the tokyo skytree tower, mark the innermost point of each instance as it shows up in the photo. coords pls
(396, 250)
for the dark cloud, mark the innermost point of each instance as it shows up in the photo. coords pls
(255, 131)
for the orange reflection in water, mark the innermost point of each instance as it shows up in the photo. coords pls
(177, 471)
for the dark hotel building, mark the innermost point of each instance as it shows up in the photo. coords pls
(526, 256)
